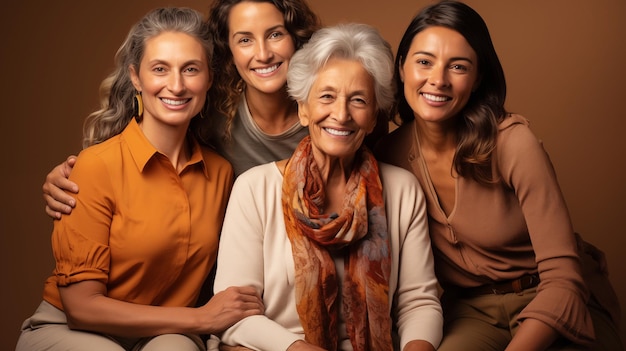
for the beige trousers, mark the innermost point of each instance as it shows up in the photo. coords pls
(47, 329)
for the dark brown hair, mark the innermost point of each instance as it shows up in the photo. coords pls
(478, 121)
(300, 21)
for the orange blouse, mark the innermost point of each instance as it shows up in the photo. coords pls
(148, 233)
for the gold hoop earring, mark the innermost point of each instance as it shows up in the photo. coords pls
(138, 105)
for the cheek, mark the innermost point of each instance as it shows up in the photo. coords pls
(239, 58)
(465, 89)
(200, 84)
(414, 78)
(369, 121)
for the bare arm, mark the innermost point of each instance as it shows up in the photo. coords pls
(88, 308)
(533, 335)
(58, 202)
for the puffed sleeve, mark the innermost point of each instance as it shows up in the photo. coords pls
(562, 294)
(80, 240)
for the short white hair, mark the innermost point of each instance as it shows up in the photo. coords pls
(353, 41)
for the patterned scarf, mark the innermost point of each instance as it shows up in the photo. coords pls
(360, 232)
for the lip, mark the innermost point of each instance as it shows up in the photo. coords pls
(267, 70)
(175, 103)
(338, 132)
(435, 97)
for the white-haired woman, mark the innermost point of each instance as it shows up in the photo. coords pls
(336, 243)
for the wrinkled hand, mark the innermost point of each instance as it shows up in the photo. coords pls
(230, 306)
(302, 345)
(58, 202)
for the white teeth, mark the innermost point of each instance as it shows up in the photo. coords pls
(174, 102)
(435, 98)
(266, 70)
(338, 132)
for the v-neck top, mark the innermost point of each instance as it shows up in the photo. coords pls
(519, 225)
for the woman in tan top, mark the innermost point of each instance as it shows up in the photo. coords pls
(505, 250)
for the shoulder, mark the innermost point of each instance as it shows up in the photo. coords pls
(519, 153)
(396, 180)
(515, 135)
(259, 188)
(96, 154)
(266, 173)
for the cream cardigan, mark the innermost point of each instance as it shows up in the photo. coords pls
(254, 250)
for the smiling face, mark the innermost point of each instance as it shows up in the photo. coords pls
(340, 110)
(439, 73)
(173, 78)
(260, 44)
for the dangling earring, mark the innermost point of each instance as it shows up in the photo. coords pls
(138, 106)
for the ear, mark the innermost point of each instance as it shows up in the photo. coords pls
(134, 77)
(303, 113)
(400, 69)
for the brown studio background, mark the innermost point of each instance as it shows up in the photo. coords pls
(564, 61)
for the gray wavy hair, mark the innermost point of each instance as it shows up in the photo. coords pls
(353, 41)
(117, 90)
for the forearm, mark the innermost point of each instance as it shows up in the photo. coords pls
(532, 335)
(110, 316)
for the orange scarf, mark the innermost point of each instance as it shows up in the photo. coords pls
(360, 232)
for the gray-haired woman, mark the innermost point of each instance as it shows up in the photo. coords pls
(131, 259)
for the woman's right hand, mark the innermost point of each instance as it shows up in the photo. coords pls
(302, 345)
(58, 202)
(229, 307)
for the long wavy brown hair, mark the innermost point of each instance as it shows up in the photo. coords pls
(477, 126)
(226, 93)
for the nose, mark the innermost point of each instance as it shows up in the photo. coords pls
(176, 83)
(439, 77)
(264, 52)
(340, 111)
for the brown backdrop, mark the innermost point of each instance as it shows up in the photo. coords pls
(564, 61)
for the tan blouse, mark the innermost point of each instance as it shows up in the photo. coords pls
(519, 225)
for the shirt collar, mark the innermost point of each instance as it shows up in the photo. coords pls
(143, 151)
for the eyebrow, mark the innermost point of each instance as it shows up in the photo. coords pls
(332, 88)
(185, 63)
(270, 29)
(459, 58)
